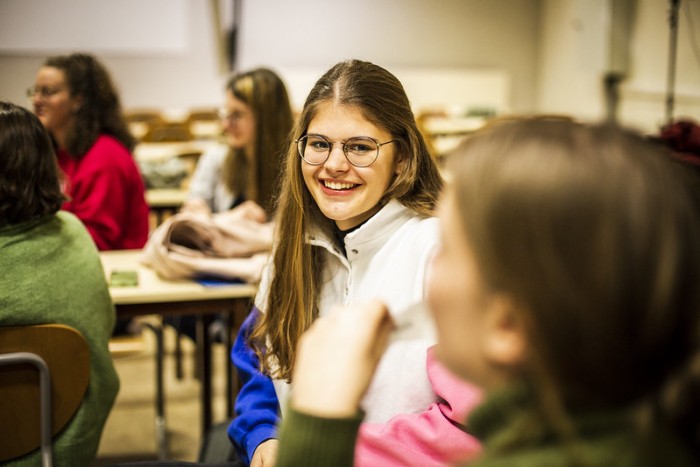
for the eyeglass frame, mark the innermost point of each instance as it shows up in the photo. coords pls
(224, 114)
(44, 92)
(344, 148)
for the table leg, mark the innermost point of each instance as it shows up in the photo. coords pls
(161, 432)
(229, 317)
(204, 361)
(235, 318)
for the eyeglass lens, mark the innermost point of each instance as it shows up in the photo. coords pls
(224, 114)
(360, 151)
(42, 91)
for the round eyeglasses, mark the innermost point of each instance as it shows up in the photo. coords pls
(230, 116)
(360, 151)
(43, 92)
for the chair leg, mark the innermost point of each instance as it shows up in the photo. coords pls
(16, 358)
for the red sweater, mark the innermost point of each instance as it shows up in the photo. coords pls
(106, 193)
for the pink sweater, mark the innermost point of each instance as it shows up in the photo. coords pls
(428, 438)
(107, 194)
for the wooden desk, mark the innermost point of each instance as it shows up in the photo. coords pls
(165, 197)
(162, 201)
(154, 295)
(164, 151)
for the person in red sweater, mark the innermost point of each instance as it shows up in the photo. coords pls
(77, 103)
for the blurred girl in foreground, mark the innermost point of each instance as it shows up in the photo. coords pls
(566, 285)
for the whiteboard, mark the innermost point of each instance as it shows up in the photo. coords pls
(132, 27)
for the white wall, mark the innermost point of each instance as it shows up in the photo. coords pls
(551, 54)
(644, 93)
(445, 35)
(571, 60)
(311, 35)
(183, 77)
(126, 27)
(574, 59)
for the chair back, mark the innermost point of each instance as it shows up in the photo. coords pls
(168, 133)
(22, 350)
(141, 121)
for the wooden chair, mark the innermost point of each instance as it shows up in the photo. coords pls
(205, 123)
(168, 133)
(141, 121)
(204, 114)
(44, 373)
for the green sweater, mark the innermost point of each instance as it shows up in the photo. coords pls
(605, 439)
(51, 273)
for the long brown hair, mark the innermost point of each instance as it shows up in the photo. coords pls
(293, 294)
(264, 92)
(594, 232)
(100, 111)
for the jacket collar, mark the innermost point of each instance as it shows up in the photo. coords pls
(368, 237)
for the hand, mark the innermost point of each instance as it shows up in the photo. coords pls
(196, 206)
(265, 454)
(336, 359)
(251, 210)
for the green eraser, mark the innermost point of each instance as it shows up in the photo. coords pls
(123, 278)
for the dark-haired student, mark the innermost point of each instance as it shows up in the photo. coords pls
(51, 273)
(78, 104)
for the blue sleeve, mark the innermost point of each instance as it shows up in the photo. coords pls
(257, 407)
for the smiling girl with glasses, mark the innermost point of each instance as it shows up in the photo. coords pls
(354, 221)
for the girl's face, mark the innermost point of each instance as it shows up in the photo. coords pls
(462, 305)
(52, 101)
(239, 123)
(347, 194)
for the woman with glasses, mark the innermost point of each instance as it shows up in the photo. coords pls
(77, 103)
(353, 223)
(257, 119)
(51, 273)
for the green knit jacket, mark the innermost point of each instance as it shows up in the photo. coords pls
(51, 273)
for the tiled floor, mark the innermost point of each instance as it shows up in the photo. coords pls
(130, 434)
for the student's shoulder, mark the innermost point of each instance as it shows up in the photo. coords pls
(68, 218)
(108, 156)
(410, 218)
(418, 233)
(72, 226)
(108, 143)
(424, 227)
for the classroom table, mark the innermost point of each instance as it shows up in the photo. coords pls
(164, 151)
(165, 201)
(154, 295)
